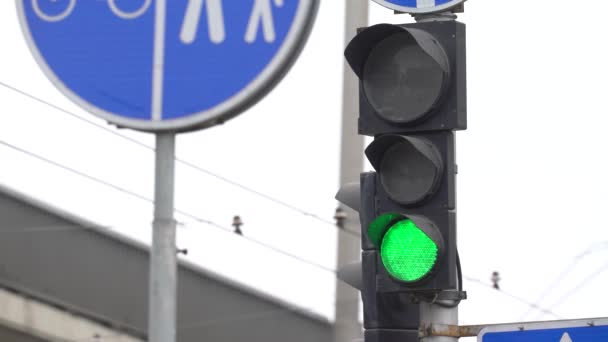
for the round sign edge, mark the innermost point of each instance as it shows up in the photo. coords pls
(260, 86)
(414, 10)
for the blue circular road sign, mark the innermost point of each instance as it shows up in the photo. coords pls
(166, 65)
(419, 6)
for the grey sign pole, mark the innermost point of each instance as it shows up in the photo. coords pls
(347, 327)
(163, 259)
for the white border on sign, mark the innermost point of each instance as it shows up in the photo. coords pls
(576, 323)
(415, 10)
(251, 94)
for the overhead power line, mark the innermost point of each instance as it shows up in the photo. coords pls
(150, 200)
(517, 298)
(219, 177)
(533, 306)
(181, 161)
(580, 285)
(571, 267)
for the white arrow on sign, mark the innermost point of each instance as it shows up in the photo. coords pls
(566, 338)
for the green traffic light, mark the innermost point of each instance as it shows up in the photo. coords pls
(407, 253)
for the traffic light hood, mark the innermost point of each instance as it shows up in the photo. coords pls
(350, 195)
(376, 150)
(381, 224)
(368, 39)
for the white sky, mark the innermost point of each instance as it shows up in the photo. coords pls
(531, 188)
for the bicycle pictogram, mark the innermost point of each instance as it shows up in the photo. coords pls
(261, 17)
(70, 5)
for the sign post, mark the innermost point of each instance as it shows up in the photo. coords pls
(165, 67)
(163, 263)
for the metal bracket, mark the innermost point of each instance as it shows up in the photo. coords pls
(456, 9)
(440, 16)
(446, 295)
(446, 15)
(447, 330)
(452, 295)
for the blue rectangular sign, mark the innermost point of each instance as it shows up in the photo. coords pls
(585, 330)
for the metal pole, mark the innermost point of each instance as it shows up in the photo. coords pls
(163, 259)
(431, 314)
(347, 327)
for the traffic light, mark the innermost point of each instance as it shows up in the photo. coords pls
(412, 97)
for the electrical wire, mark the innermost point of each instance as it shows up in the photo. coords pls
(181, 161)
(150, 200)
(580, 285)
(294, 308)
(76, 172)
(255, 241)
(552, 285)
(219, 177)
(259, 243)
(454, 303)
(512, 296)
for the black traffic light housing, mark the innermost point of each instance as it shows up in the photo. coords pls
(412, 93)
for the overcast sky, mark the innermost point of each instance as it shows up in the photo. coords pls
(532, 185)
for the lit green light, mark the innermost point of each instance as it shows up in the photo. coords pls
(408, 254)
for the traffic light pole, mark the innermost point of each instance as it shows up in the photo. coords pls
(163, 259)
(433, 314)
(347, 327)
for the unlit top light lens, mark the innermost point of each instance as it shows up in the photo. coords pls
(401, 81)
